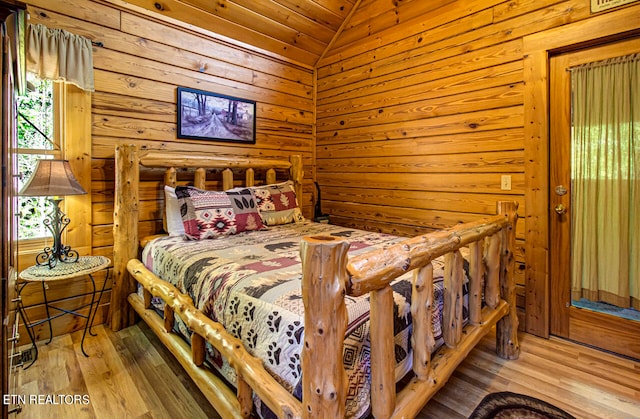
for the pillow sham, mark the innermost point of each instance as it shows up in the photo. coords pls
(172, 212)
(245, 208)
(277, 203)
(212, 214)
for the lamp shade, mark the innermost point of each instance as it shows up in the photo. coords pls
(52, 178)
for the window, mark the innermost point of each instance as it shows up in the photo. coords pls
(67, 104)
(36, 140)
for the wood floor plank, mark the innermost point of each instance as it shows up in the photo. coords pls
(166, 400)
(173, 369)
(557, 388)
(130, 374)
(110, 386)
(463, 404)
(438, 411)
(138, 362)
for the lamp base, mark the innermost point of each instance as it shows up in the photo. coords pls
(56, 222)
(51, 257)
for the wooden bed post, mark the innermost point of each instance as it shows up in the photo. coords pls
(422, 340)
(296, 174)
(453, 299)
(200, 178)
(494, 258)
(324, 277)
(507, 345)
(125, 235)
(383, 384)
(476, 278)
(170, 179)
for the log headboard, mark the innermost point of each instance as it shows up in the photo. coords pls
(126, 203)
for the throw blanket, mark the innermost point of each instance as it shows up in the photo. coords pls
(250, 283)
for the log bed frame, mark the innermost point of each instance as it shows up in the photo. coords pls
(328, 275)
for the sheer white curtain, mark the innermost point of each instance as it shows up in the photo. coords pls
(605, 188)
(58, 55)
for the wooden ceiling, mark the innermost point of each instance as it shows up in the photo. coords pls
(300, 30)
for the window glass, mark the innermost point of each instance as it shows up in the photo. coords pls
(35, 126)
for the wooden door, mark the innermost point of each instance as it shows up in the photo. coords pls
(601, 330)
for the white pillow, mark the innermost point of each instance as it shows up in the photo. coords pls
(172, 211)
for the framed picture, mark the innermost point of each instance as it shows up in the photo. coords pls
(211, 116)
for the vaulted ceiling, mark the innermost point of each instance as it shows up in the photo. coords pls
(300, 30)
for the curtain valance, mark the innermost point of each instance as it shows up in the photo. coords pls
(59, 55)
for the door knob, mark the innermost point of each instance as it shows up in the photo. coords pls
(560, 209)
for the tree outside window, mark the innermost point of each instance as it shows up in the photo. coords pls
(35, 126)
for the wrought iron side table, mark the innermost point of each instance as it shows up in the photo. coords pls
(85, 266)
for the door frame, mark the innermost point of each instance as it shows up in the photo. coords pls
(537, 48)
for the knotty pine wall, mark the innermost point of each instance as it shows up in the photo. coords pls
(419, 107)
(420, 113)
(137, 70)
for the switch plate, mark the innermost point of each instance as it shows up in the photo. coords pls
(505, 182)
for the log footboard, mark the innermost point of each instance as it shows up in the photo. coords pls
(372, 273)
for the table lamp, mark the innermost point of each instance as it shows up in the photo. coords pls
(54, 179)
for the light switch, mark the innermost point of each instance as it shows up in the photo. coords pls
(505, 182)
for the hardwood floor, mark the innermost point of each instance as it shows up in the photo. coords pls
(130, 374)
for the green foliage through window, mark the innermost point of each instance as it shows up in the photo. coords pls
(35, 109)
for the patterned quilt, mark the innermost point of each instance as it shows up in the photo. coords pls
(250, 283)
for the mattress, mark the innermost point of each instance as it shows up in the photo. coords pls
(251, 284)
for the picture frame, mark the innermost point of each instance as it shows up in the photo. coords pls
(206, 115)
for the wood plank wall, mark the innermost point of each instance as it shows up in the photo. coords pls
(420, 112)
(419, 108)
(137, 69)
